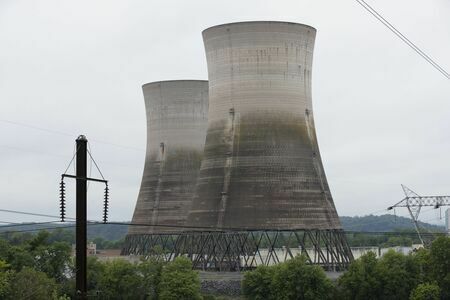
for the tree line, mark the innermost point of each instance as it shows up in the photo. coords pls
(420, 275)
(38, 267)
(41, 267)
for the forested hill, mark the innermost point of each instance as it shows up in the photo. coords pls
(383, 223)
(110, 232)
(114, 232)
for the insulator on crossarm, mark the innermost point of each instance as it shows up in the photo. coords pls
(62, 199)
(105, 204)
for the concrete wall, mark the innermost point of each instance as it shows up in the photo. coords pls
(176, 128)
(261, 166)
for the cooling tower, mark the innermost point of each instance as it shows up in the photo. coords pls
(261, 167)
(176, 130)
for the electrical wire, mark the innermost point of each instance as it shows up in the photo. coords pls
(15, 224)
(38, 229)
(98, 169)
(71, 161)
(33, 151)
(408, 42)
(30, 213)
(67, 134)
(179, 226)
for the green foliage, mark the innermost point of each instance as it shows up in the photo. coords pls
(392, 277)
(108, 232)
(151, 272)
(257, 284)
(440, 262)
(106, 244)
(294, 279)
(42, 263)
(398, 241)
(95, 270)
(421, 258)
(32, 284)
(360, 282)
(397, 274)
(54, 260)
(120, 277)
(49, 262)
(426, 291)
(383, 223)
(5, 279)
(179, 281)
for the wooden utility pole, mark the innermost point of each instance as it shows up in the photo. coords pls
(81, 216)
(81, 210)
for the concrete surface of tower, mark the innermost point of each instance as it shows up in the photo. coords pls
(261, 167)
(177, 113)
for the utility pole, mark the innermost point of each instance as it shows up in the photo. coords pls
(81, 210)
(81, 216)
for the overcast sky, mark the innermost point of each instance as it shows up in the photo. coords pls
(76, 67)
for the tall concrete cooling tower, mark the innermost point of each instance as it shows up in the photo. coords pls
(262, 167)
(177, 113)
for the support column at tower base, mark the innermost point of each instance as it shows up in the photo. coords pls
(245, 250)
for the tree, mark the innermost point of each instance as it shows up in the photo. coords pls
(54, 260)
(179, 281)
(18, 258)
(5, 278)
(421, 259)
(151, 270)
(120, 279)
(31, 284)
(426, 291)
(361, 282)
(440, 264)
(295, 279)
(398, 241)
(95, 270)
(257, 284)
(397, 274)
(39, 240)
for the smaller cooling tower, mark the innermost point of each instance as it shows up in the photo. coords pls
(177, 113)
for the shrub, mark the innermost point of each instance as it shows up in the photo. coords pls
(179, 281)
(257, 284)
(294, 279)
(426, 291)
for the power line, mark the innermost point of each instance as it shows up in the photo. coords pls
(33, 151)
(255, 230)
(30, 213)
(15, 224)
(94, 223)
(408, 42)
(170, 226)
(38, 229)
(67, 134)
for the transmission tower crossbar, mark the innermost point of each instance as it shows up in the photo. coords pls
(414, 203)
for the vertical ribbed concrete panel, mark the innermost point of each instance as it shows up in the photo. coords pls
(261, 167)
(177, 114)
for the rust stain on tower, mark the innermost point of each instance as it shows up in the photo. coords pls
(261, 166)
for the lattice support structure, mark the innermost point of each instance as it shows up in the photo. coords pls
(245, 250)
(414, 203)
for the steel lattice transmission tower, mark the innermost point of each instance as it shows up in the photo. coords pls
(414, 203)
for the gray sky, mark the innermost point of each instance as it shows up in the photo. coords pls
(382, 113)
